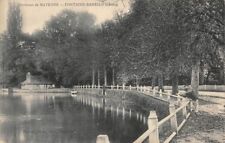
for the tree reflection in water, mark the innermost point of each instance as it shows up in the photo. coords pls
(57, 119)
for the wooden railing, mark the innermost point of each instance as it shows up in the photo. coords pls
(147, 90)
(152, 134)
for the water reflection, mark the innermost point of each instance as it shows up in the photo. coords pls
(106, 106)
(56, 119)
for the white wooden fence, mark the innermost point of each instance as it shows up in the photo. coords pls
(152, 134)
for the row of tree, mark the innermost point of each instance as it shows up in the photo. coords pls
(156, 40)
(166, 39)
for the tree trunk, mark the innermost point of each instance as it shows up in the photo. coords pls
(93, 76)
(113, 76)
(160, 82)
(222, 57)
(195, 76)
(98, 78)
(137, 81)
(105, 76)
(174, 83)
(207, 77)
(201, 74)
(221, 77)
(153, 81)
(224, 72)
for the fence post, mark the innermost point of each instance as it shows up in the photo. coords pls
(153, 91)
(117, 86)
(160, 92)
(153, 124)
(168, 97)
(102, 139)
(191, 105)
(178, 100)
(123, 86)
(184, 110)
(130, 87)
(196, 106)
(173, 120)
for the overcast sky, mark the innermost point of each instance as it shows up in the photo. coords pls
(35, 17)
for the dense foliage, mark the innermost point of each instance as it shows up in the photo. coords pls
(156, 40)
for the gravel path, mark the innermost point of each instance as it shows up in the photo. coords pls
(207, 126)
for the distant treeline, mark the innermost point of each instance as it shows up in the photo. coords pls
(163, 40)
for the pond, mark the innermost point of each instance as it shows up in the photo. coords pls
(66, 119)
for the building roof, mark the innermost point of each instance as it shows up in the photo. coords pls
(36, 80)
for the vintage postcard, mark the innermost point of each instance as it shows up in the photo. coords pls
(112, 71)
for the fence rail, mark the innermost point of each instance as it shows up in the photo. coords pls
(152, 134)
(173, 123)
(220, 88)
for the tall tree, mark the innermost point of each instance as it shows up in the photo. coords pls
(12, 54)
(68, 38)
(203, 21)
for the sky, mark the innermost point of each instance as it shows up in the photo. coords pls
(34, 17)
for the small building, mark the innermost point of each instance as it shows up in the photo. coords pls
(36, 82)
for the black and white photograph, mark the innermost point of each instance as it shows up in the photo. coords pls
(112, 71)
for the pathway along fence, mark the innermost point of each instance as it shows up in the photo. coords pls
(155, 127)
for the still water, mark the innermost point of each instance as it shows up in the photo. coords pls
(66, 119)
